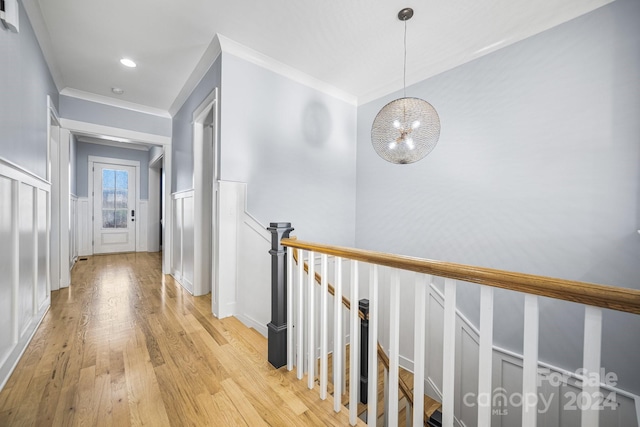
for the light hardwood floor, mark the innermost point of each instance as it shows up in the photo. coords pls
(126, 345)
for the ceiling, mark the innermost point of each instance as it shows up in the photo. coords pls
(353, 45)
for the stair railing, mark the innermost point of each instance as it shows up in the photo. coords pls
(405, 389)
(594, 297)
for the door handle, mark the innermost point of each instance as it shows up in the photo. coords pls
(133, 214)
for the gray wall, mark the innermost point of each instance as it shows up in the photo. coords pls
(25, 82)
(293, 146)
(536, 171)
(84, 150)
(107, 115)
(182, 141)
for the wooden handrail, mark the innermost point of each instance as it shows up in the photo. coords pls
(611, 297)
(332, 290)
(404, 387)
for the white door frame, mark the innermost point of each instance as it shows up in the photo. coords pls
(153, 236)
(55, 256)
(75, 126)
(203, 268)
(90, 173)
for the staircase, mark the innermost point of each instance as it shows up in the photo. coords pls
(431, 406)
(432, 415)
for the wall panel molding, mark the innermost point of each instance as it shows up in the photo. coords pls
(24, 260)
(182, 243)
(83, 227)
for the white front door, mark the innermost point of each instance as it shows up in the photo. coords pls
(114, 204)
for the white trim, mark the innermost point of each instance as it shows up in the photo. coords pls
(566, 373)
(52, 116)
(20, 338)
(449, 352)
(104, 141)
(83, 227)
(114, 161)
(204, 190)
(167, 216)
(530, 360)
(90, 172)
(112, 102)
(93, 129)
(16, 172)
(182, 194)
(208, 58)
(53, 120)
(64, 198)
(155, 161)
(250, 322)
(236, 49)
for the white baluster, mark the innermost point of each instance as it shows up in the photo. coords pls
(386, 397)
(591, 364)
(311, 321)
(354, 347)
(449, 353)
(372, 392)
(394, 346)
(338, 344)
(290, 350)
(324, 360)
(422, 281)
(300, 319)
(530, 362)
(485, 357)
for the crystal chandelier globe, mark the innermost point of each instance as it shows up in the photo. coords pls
(406, 129)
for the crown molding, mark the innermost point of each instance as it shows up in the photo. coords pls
(106, 100)
(41, 31)
(206, 61)
(264, 61)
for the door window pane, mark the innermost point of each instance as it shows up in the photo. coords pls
(121, 218)
(108, 186)
(115, 198)
(108, 220)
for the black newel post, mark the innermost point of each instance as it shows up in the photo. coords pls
(278, 326)
(363, 304)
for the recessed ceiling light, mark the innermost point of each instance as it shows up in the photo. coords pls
(117, 90)
(128, 63)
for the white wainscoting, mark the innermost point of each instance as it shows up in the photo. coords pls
(84, 227)
(507, 379)
(254, 283)
(183, 244)
(25, 290)
(142, 218)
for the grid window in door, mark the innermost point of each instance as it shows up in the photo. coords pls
(115, 197)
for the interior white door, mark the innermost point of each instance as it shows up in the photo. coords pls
(114, 204)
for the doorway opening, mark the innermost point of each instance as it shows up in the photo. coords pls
(115, 199)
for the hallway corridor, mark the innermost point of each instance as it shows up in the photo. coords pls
(126, 345)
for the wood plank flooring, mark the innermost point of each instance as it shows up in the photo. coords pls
(126, 345)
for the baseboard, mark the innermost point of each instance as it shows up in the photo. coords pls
(9, 364)
(249, 322)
